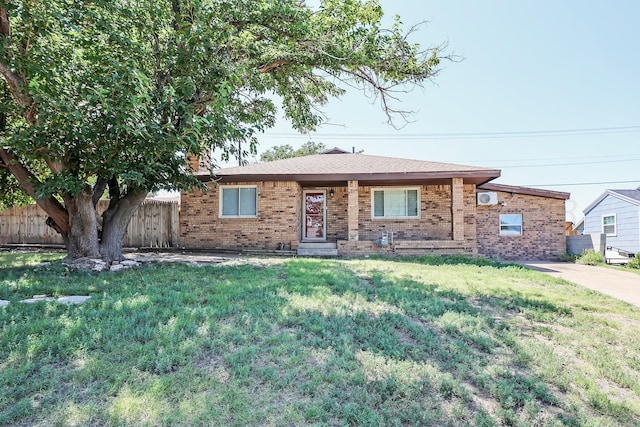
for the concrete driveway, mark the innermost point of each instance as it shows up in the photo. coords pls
(618, 284)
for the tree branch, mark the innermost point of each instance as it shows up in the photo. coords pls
(114, 191)
(98, 190)
(272, 66)
(5, 25)
(15, 82)
(26, 179)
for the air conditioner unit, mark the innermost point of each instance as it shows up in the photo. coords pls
(487, 199)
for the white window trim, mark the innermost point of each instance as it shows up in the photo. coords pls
(222, 187)
(615, 224)
(511, 235)
(374, 189)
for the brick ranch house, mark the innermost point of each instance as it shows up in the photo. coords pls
(355, 204)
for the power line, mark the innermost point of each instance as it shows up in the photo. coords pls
(542, 159)
(568, 164)
(582, 183)
(467, 135)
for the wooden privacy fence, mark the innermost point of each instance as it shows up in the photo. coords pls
(153, 225)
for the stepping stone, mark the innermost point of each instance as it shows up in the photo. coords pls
(73, 299)
(4, 303)
(129, 263)
(37, 298)
(116, 267)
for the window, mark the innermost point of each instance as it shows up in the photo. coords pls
(395, 203)
(238, 201)
(511, 225)
(609, 224)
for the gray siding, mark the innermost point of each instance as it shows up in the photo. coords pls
(627, 222)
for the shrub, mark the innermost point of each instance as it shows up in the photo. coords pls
(635, 262)
(589, 257)
(567, 257)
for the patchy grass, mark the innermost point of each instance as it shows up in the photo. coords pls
(421, 341)
(14, 259)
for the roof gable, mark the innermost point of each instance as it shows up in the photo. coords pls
(629, 196)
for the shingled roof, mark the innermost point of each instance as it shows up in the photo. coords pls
(630, 196)
(525, 190)
(360, 167)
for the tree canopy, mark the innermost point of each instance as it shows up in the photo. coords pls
(108, 97)
(286, 151)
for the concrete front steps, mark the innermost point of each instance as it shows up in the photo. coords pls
(615, 257)
(317, 249)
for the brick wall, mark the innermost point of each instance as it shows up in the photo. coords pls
(278, 220)
(337, 222)
(542, 228)
(470, 222)
(280, 214)
(434, 222)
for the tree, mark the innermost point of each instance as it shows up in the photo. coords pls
(107, 98)
(286, 151)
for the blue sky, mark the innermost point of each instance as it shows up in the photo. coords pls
(528, 68)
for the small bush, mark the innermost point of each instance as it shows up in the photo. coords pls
(635, 262)
(567, 257)
(589, 257)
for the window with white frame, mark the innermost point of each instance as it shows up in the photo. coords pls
(395, 203)
(609, 224)
(511, 225)
(238, 201)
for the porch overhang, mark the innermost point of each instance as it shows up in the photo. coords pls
(364, 179)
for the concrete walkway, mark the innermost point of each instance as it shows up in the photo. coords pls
(618, 284)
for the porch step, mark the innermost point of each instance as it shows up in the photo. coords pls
(317, 249)
(614, 257)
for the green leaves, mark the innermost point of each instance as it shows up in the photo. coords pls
(286, 151)
(128, 88)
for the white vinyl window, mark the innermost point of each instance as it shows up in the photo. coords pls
(609, 225)
(238, 201)
(395, 203)
(511, 225)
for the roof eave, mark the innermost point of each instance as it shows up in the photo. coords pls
(475, 177)
(625, 198)
(609, 193)
(526, 190)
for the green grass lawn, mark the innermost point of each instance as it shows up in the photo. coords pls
(315, 342)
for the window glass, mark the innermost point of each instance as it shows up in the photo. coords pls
(609, 225)
(511, 225)
(230, 202)
(248, 201)
(412, 202)
(378, 203)
(395, 203)
(239, 201)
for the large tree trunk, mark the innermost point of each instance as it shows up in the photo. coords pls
(82, 240)
(115, 221)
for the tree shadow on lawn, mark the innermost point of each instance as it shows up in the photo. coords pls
(137, 341)
(55, 279)
(463, 351)
(435, 350)
(303, 343)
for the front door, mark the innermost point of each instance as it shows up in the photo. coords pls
(314, 224)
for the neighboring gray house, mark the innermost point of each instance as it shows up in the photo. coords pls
(616, 213)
